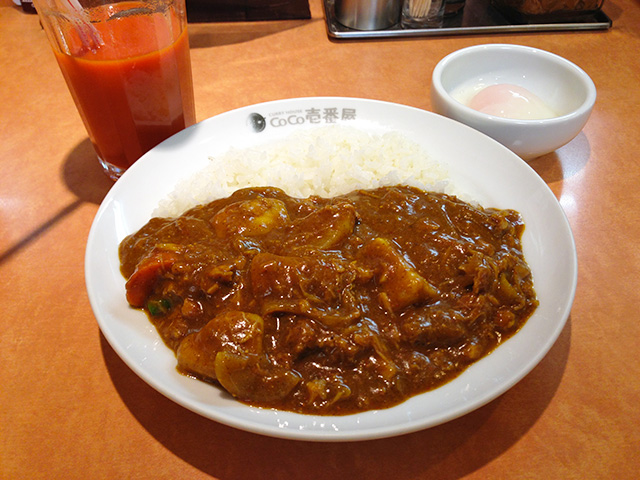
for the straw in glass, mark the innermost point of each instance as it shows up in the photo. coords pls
(89, 35)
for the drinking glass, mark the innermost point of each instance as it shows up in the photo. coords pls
(128, 68)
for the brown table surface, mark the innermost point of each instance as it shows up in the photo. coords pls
(70, 408)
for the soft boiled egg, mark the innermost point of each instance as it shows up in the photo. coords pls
(510, 101)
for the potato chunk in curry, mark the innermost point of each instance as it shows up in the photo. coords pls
(331, 306)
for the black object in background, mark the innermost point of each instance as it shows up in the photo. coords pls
(201, 11)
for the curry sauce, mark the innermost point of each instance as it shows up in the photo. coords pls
(334, 305)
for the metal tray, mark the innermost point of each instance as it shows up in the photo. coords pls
(477, 17)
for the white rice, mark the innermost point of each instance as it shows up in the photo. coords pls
(327, 161)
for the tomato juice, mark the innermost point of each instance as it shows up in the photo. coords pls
(135, 90)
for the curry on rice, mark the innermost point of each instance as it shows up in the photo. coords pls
(333, 305)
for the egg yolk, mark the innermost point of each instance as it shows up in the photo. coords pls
(510, 101)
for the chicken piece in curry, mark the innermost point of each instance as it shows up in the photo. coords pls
(331, 306)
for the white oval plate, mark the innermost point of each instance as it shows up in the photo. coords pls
(477, 165)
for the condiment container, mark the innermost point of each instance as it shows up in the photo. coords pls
(368, 14)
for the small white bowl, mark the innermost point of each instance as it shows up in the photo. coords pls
(561, 85)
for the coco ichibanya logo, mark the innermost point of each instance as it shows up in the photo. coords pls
(312, 116)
